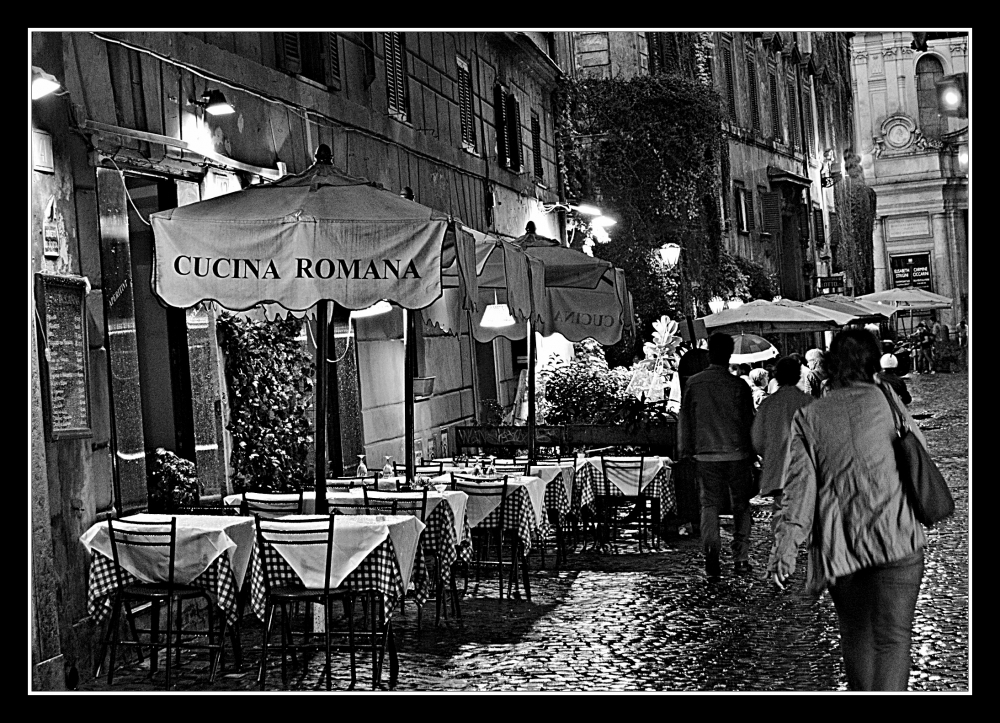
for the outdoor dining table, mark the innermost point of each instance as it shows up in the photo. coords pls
(212, 552)
(656, 476)
(378, 554)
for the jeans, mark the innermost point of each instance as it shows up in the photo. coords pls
(716, 481)
(875, 610)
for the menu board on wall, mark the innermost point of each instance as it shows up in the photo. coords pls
(60, 301)
(911, 270)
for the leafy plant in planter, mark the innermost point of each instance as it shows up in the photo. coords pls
(173, 482)
(270, 380)
(583, 390)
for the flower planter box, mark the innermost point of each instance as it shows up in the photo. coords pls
(656, 439)
(423, 387)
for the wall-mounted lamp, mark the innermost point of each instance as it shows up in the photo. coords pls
(379, 307)
(587, 209)
(670, 254)
(716, 304)
(497, 315)
(406, 193)
(42, 83)
(602, 222)
(214, 102)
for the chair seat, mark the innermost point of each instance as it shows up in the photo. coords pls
(153, 590)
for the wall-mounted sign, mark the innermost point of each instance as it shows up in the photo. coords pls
(830, 284)
(909, 226)
(911, 270)
(60, 301)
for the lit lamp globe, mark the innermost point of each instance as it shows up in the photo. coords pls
(716, 304)
(670, 254)
(735, 303)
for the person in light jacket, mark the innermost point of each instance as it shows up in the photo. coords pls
(842, 486)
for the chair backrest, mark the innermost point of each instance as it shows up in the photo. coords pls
(552, 460)
(461, 477)
(631, 468)
(345, 483)
(484, 487)
(519, 468)
(378, 503)
(270, 506)
(271, 532)
(214, 509)
(430, 469)
(406, 503)
(152, 540)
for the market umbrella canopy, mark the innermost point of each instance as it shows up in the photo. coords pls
(750, 348)
(316, 235)
(862, 313)
(909, 298)
(767, 317)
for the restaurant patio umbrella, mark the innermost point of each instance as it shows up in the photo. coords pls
(768, 317)
(750, 348)
(908, 299)
(584, 298)
(859, 314)
(303, 241)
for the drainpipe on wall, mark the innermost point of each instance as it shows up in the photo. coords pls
(805, 172)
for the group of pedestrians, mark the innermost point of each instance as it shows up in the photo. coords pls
(824, 436)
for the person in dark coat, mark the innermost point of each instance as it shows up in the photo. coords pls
(714, 428)
(889, 376)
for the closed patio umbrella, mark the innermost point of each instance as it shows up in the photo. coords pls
(303, 241)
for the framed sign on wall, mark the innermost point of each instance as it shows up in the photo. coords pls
(63, 328)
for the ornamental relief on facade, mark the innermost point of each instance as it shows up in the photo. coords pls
(899, 135)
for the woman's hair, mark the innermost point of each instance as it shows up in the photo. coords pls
(759, 377)
(854, 357)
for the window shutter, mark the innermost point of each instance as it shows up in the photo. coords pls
(821, 125)
(514, 133)
(289, 52)
(368, 39)
(332, 59)
(727, 62)
(775, 120)
(500, 109)
(751, 222)
(793, 116)
(395, 72)
(810, 131)
(754, 100)
(818, 228)
(465, 105)
(536, 144)
(834, 230)
(770, 204)
(654, 41)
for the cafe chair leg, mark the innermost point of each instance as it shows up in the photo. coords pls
(350, 641)
(113, 630)
(327, 619)
(524, 577)
(170, 617)
(286, 634)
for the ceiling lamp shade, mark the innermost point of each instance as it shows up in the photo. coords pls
(497, 315)
(42, 83)
(376, 309)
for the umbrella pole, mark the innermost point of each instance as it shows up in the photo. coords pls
(409, 352)
(322, 374)
(531, 394)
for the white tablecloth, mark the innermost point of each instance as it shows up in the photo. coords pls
(354, 538)
(200, 540)
(549, 471)
(478, 508)
(626, 481)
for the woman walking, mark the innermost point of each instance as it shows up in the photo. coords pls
(842, 485)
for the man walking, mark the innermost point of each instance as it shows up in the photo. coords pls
(924, 342)
(716, 415)
(770, 431)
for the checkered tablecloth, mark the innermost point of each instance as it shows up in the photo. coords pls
(379, 571)
(439, 537)
(590, 482)
(520, 517)
(556, 498)
(218, 581)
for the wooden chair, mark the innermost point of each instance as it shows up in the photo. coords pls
(616, 508)
(342, 484)
(219, 508)
(513, 468)
(279, 590)
(272, 505)
(155, 541)
(484, 537)
(430, 469)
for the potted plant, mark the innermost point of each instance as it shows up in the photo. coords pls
(174, 482)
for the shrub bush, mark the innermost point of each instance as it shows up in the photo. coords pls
(173, 482)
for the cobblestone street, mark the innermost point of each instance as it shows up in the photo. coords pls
(653, 622)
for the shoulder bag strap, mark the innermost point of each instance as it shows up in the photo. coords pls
(897, 416)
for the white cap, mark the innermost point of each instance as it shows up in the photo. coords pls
(889, 361)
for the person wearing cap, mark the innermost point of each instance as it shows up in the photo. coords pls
(890, 377)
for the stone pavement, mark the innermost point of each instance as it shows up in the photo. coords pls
(653, 622)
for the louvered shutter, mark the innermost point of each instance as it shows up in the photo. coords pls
(332, 59)
(289, 52)
(655, 43)
(775, 120)
(754, 100)
(810, 131)
(818, 228)
(751, 221)
(834, 229)
(793, 116)
(536, 144)
(727, 62)
(821, 125)
(770, 203)
(465, 106)
(500, 109)
(395, 71)
(514, 133)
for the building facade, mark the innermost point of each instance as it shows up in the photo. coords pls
(790, 194)
(917, 161)
(460, 122)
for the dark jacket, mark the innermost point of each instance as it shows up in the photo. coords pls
(898, 385)
(842, 485)
(770, 433)
(716, 414)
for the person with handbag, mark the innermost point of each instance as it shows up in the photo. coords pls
(844, 491)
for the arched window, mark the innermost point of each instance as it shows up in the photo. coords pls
(929, 71)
